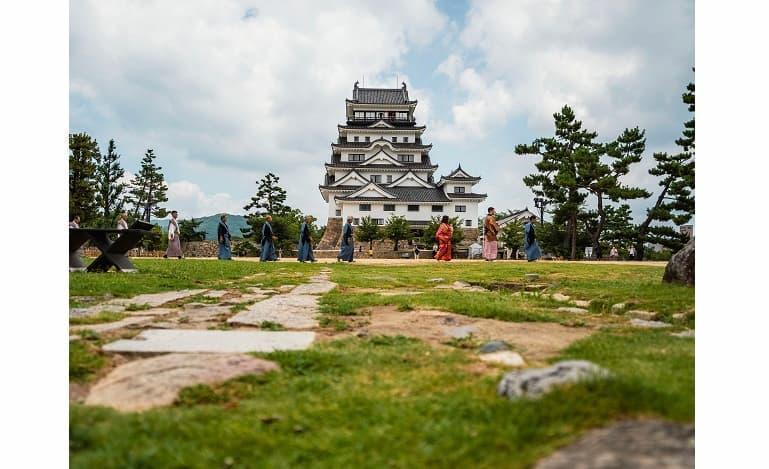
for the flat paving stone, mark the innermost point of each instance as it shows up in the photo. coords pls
(111, 326)
(560, 297)
(637, 444)
(504, 357)
(581, 303)
(649, 324)
(199, 312)
(151, 312)
(571, 309)
(317, 287)
(216, 293)
(143, 384)
(292, 311)
(687, 334)
(95, 310)
(157, 299)
(494, 346)
(189, 341)
(461, 332)
(641, 314)
(399, 292)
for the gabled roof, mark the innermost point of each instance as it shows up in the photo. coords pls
(410, 176)
(380, 95)
(466, 195)
(384, 142)
(458, 175)
(381, 155)
(518, 215)
(348, 177)
(409, 127)
(365, 191)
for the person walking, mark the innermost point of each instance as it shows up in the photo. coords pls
(631, 253)
(530, 241)
(613, 254)
(74, 222)
(305, 241)
(347, 246)
(225, 239)
(490, 230)
(174, 242)
(122, 221)
(443, 236)
(267, 252)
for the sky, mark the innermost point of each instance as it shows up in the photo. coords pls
(226, 91)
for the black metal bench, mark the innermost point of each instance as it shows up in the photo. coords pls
(113, 253)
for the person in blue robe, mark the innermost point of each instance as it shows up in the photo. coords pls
(225, 240)
(347, 246)
(268, 241)
(305, 241)
(530, 241)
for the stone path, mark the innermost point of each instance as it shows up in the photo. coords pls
(119, 305)
(178, 340)
(152, 382)
(644, 444)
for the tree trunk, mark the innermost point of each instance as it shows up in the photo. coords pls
(596, 236)
(644, 227)
(573, 237)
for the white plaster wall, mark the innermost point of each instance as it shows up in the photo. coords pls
(425, 212)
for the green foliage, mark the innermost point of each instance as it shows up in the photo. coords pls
(83, 155)
(285, 227)
(675, 201)
(157, 242)
(428, 235)
(368, 231)
(188, 231)
(84, 360)
(245, 248)
(397, 229)
(512, 236)
(619, 230)
(102, 317)
(109, 190)
(270, 198)
(148, 189)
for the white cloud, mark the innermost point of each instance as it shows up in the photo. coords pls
(253, 85)
(191, 201)
(617, 64)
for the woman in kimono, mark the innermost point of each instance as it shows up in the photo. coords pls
(305, 241)
(268, 241)
(490, 229)
(174, 243)
(443, 235)
(530, 241)
(225, 240)
(347, 248)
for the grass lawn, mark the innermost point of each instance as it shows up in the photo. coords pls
(392, 401)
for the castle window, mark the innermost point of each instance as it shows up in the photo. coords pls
(460, 208)
(406, 158)
(364, 207)
(395, 139)
(389, 178)
(468, 223)
(459, 190)
(437, 208)
(376, 178)
(356, 157)
(389, 207)
(368, 139)
(378, 221)
(355, 138)
(338, 212)
(413, 208)
(356, 221)
(405, 140)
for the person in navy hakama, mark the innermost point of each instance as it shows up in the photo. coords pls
(347, 247)
(530, 241)
(305, 242)
(225, 240)
(268, 242)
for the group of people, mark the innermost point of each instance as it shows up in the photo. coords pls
(304, 248)
(491, 230)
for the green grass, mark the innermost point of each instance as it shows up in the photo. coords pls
(385, 402)
(159, 275)
(104, 316)
(393, 401)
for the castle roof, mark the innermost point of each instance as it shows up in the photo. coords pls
(380, 95)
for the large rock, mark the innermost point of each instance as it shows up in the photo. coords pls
(538, 381)
(680, 268)
(211, 341)
(292, 311)
(645, 444)
(152, 382)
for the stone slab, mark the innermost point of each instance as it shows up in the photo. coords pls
(538, 381)
(504, 357)
(95, 310)
(571, 309)
(618, 307)
(644, 444)
(292, 311)
(461, 332)
(157, 299)
(581, 303)
(111, 326)
(398, 293)
(151, 312)
(641, 314)
(200, 312)
(687, 334)
(152, 382)
(560, 297)
(317, 287)
(216, 293)
(190, 341)
(649, 324)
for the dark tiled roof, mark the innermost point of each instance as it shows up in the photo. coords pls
(465, 195)
(381, 95)
(407, 194)
(409, 146)
(454, 177)
(340, 188)
(356, 165)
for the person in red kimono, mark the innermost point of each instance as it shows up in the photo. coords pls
(443, 235)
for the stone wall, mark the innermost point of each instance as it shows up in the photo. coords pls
(201, 249)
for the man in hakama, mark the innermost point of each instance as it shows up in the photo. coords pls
(490, 230)
(305, 241)
(530, 241)
(225, 240)
(268, 241)
(347, 246)
(174, 242)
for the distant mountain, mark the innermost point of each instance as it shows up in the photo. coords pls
(210, 223)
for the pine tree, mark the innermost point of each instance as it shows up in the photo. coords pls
(83, 154)
(675, 201)
(603, 180)
(512, 236)
(619, 229)
(109, 191)
(397, 229)
(368, 231)
(270, 198)
(188, 230)
(558, 178)
(148, 189)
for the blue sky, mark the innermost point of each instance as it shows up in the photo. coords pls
(227, 91)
